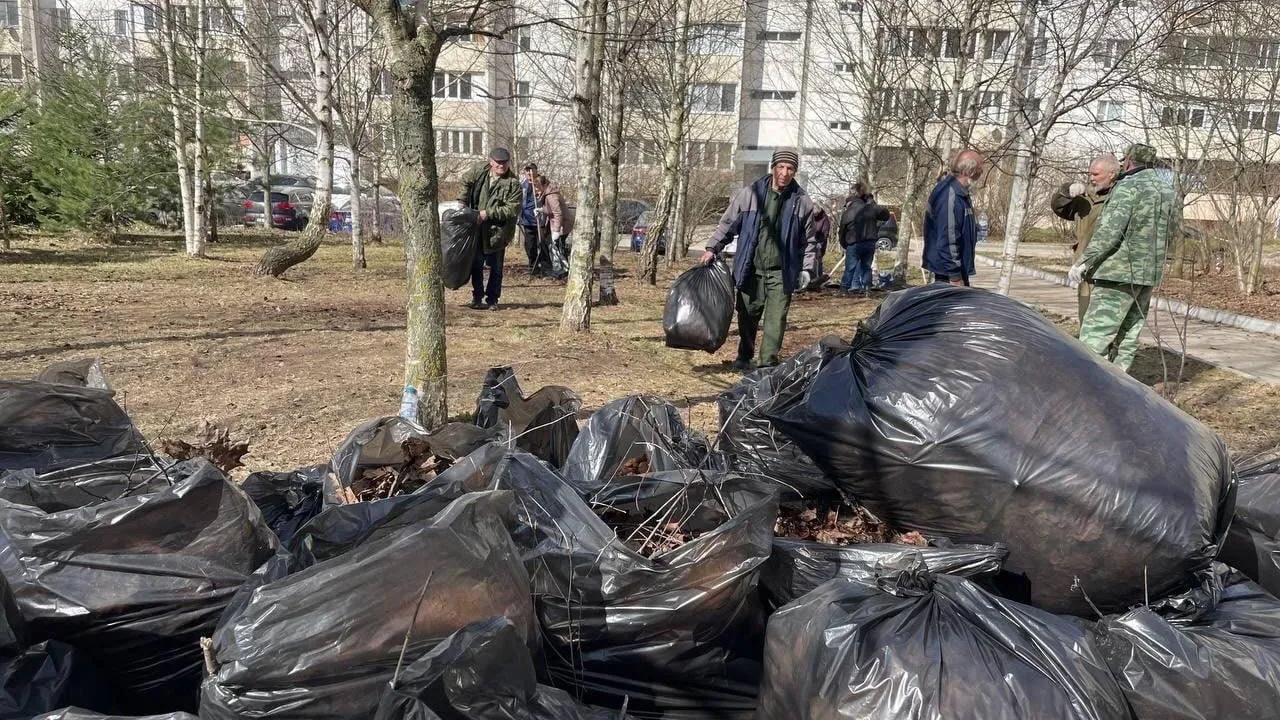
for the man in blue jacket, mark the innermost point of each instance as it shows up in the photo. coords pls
(777, 254)
(950, 232)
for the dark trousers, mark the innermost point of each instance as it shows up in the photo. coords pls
(947, 281)
(762, 300)
(535, 248)
(479, 290)
(857, 267)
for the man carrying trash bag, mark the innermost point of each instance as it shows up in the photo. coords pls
(494, 191)
(777, 254)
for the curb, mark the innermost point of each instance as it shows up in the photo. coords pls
(1209, 315)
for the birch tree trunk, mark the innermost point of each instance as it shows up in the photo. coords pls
(908, 225)
(677, 109)
(186, 189)
(199, 172)
(616, 75)
(679, 224)
(576, 313)
(357, 209)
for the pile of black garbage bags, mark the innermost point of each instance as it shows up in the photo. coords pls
(1093, 552)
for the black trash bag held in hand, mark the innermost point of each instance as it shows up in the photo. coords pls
(917, 645)
(459, 243)
(1253, 541)
(699, 308)
(967, 415)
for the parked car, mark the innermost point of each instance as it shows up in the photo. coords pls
(629, 210)
(640, 229)
(288, 211)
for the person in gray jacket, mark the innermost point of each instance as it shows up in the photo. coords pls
(777, 254)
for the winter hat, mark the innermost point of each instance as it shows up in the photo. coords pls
(786, 155)
(501, 155)
(1141, 154)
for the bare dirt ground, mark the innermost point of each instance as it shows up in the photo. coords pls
(292, 365)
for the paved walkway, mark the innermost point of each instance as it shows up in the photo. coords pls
(1253, 355)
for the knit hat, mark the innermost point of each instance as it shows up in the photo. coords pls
(1141, 154)
(501, 155)
(786, 155)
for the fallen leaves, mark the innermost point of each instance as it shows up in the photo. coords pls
(214, 444)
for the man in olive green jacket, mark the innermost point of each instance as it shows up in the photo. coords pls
(1126, 255)
(1083, 206)
(494, 191)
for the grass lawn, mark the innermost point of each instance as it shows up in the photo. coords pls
(292, 365)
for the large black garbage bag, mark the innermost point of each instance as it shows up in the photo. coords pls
(634, 435)
(458, 245)
(964, 414)
(797, 567)
(749, 437)
(921, 646)
(545, 423)
(85, 372)
(1253, 542)
(1219, 664)
(287, 500)
(481, 672)
(87, 484)
(47, 426)
(46, 676)
(325, 641)
(75, 713)
(699, 308)
(380, 442)
(135, 582)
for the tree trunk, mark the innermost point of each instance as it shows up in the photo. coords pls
(677, 108)
(199, 172)
(1019, 194)
(275, 261)
(907, 223)
(357, 209)
(576, 314)
(1254, 278)
(680, 225)
(169, 49)
(4, 227)
(616, 71)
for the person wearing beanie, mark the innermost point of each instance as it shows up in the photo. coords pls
(777, 254)
(494, 191)
(1125, 257)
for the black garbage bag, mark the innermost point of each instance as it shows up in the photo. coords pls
(482, 672)
(87, 484)
(380, 442)
(965, 414)
(545, 423)
(459, 244)
(796, 567)
(287, 500)
(917, 645)
(86, 372)
(75, 713)
(1253, 541)
(699, 308)
(1222, 663)
(634, 435)
(46, 676)
(325, 641)
(135, 582)
(749, 437)
(47, 426)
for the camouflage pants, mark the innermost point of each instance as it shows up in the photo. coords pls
(1117, 312)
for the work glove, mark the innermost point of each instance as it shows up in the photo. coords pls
(1076, 189)
(555, 237)
(805, 279)
(1075, 275)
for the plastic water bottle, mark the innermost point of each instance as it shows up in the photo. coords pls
(409, 403)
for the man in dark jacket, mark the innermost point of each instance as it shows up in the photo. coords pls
(494, 191)
(859, 232)
(777, 254)
(950, 232)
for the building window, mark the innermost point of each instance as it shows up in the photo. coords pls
(641, 152)
(1259, 120)
(1109, 52)
(524, 40)
(778, 36)
(466, 32)
(1181, 117)
(713, 97)
(851, 7)
(524, 94)
(61, 19)
(122, 22)
(923, 42)
(914, 104)
(10, 15)
(383, 84)
(987, 105)
(715, 39)
(718, 155)
(460, 141)
(773, 94)
(10, 67)
(997, 45)
(844, 67)
(456, 86)
(840, 125)
(217, 19)
(148, 17)
(1110, 111)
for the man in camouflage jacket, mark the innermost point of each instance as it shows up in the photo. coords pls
(1125, 257)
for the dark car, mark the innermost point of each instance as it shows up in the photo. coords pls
(640, 230)
(630, 210)
(284, 213)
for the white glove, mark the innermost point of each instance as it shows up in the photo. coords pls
(1075, 275)
(805, 279)
(1076, 189)
(539, 211)
(555, 237)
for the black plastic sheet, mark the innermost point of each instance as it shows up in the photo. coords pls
(1219, 664)
(379, 442)
(459, 243)
(749, 437)
(75, 713)
(638, 431)
(85, 372)
(1253, 542)
(545, 423)
(47, 426)
(481, 672)
(287, 500)
(135, 582)
(46, 676)
(699, 309)
(964, 414)
(916, 645)
(323, 642)
(87, 484)
(797, 567)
